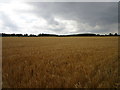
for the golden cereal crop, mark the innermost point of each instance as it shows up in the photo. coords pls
(60, 62)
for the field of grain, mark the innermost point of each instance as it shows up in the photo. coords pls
(60, 62)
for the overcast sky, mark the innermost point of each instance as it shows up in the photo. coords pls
(59, 17)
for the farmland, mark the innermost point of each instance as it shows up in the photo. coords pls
(60, 62)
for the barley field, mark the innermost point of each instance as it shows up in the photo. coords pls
(60, 62)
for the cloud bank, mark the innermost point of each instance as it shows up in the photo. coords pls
(59, 17)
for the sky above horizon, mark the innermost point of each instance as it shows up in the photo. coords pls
(59, 17)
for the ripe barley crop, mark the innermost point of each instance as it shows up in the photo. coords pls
(60, 62)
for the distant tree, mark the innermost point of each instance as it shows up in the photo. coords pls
(32, 35)
(110, 34)
(26, 35)
(105, 34)
(115, 34)
(98, 34)
(40, 34)
(13, 34)
(19, 35)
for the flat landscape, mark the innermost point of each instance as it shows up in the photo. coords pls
(60, 62)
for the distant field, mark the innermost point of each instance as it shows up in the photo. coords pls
(60, 62)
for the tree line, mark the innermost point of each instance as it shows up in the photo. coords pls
(41, 35)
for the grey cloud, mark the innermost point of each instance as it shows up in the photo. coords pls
(93, 13)
(101, 14)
